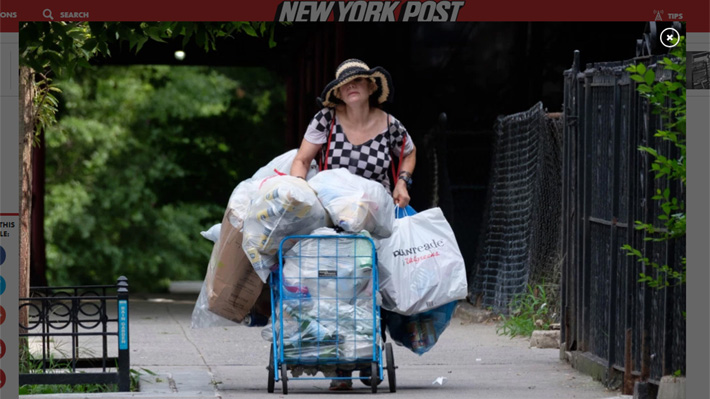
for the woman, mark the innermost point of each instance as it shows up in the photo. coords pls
(358, 134)
(351, 131)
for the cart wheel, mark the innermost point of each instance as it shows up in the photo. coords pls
(272, 372)
(391, 377)
(367, 372)
(375, 377)
(284, 379)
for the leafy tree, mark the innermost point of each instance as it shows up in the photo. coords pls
(56, 49)
(145, 157)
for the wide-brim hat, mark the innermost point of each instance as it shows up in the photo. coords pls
(352, 69)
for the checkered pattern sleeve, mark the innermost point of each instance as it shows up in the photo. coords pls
(396, 132)
(317, 131)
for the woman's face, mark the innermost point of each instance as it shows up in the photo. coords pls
(355, 91)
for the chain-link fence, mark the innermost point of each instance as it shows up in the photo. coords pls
(520, 240)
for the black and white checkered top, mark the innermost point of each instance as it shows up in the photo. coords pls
(370, 159)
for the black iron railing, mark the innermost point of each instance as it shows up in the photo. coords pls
(607, 185)
(65, 322)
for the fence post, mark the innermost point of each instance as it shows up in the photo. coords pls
(567, 289)
(613, 305)
(124, 362)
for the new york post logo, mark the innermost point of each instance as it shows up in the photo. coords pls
(368, 11)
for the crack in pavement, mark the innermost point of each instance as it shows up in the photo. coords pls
(213, 382)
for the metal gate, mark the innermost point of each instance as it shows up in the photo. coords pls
(607, 314)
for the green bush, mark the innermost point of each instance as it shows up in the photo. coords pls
(142, 159)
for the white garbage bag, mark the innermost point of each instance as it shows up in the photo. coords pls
(282, 165)
(212, 233)
(355, 203)
(334, 268)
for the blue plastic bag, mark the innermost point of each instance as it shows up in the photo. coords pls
(419, 332)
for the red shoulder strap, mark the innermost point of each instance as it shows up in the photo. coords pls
(323, 164)
(401, 155)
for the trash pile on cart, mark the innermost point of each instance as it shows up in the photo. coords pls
(326, 264)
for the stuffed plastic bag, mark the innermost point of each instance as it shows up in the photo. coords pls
(349, 261)
(212, 233)
(326, 295)
(232, 290)
(420, 265)
(202, 317)
(326, 330)
(282, 165)
(283, 206)
(240, 199)
(420, 332)
(355, 203)
(241, 196)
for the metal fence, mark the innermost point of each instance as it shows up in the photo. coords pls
(699, 70)
(607, 314)
(77, 335)
(520, 238)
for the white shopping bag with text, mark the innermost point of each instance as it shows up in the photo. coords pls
(420, 264)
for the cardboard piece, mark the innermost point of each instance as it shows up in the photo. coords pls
(232, 284)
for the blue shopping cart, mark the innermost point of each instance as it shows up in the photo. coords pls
(325, 316)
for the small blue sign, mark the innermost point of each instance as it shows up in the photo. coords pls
(3, 255)
(2, 285)
(123, 324)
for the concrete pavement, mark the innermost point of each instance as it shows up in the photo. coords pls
(230, 362)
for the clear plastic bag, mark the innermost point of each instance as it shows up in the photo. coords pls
(282, 165)
(327, 297)
(283, 206)
(355, 203)
(326, 331)
(203, 318)
(242, 195)
(309, 260)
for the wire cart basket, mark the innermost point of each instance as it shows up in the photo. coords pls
(324, 312)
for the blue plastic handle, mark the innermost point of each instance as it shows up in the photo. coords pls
(403, 212)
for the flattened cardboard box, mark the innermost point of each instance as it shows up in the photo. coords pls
(235, 286)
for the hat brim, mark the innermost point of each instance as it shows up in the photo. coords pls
(383, 86)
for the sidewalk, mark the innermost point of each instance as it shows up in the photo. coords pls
(230, 362)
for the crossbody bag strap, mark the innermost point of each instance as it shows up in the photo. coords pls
(323, 164)
(395, 175)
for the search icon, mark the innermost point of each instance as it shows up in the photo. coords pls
(47, 13)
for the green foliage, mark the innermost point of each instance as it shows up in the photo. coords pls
(40, 389)
(46, 105)
(35, 366)
(136, 376)
(142, 159)
(529, 311)
(54, 366)
(62, 47)
(667, 98)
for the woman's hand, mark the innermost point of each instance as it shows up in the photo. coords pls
(401, 194)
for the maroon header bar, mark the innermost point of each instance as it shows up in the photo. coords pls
(695, 13)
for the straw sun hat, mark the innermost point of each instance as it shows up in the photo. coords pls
(352, 69)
